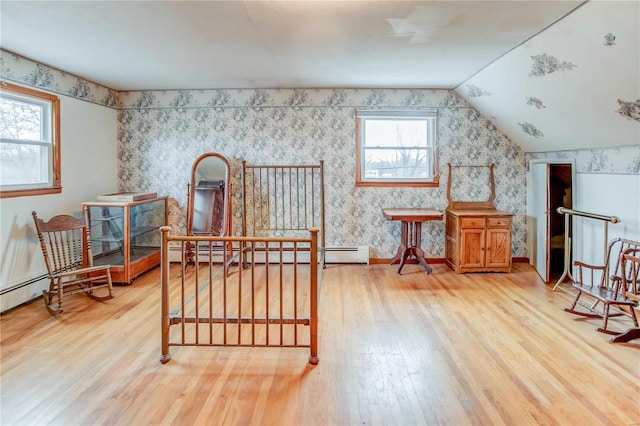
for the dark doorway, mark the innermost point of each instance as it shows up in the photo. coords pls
(560, 190)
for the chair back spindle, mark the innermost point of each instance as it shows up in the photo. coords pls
(631, 274)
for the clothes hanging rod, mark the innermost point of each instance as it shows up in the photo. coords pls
(567, 240)
(564, 210)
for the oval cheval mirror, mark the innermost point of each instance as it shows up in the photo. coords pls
(208, 209)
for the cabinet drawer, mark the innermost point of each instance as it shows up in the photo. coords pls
(499, 222)
(472, 222)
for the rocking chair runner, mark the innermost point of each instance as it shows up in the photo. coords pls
(66, 247)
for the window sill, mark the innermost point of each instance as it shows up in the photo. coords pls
(30, 192)
(397, 184)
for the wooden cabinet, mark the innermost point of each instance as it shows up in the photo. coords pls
(478, 240)
(126, 235)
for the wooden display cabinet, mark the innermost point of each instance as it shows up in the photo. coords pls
(126, 235)
(478, 240)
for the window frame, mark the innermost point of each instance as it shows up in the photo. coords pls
(54, 186)
(432, 132)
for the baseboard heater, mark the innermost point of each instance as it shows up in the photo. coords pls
(23, 284)
(354, 254)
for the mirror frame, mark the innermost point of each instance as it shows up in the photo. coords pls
(472, 205)
(226, 222)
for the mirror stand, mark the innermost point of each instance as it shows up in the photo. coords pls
(208, 199)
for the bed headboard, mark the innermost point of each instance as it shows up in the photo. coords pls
(283, 200)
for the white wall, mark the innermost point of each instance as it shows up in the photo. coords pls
(88, 135)
(609, 195)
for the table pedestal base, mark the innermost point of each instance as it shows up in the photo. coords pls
(410, 246)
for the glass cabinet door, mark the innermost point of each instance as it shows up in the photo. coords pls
(107, 234)
(144, 221)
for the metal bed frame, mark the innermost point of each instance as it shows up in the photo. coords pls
(272, 300)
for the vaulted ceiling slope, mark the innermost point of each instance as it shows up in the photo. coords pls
(576, 85)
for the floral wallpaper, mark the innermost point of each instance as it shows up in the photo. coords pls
(620, 160)
(20, 70)
(530, 129)
(161, 133)
(474, 91)
(630, 110)
(535, 102)
(544, 64)
(609, 39)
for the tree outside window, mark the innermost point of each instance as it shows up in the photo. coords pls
(29, 142)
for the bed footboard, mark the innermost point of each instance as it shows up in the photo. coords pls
(271, 302)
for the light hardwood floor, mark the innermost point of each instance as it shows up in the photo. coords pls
(413, 349)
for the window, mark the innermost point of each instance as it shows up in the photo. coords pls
(29, 142)
(396, 148)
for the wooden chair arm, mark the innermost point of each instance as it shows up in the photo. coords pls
(616, 282)
(80, 271)
(586, 265)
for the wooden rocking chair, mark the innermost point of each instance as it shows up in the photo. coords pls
(66, 247)
(611, 287)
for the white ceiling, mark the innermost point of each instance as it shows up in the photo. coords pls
(128, 45)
